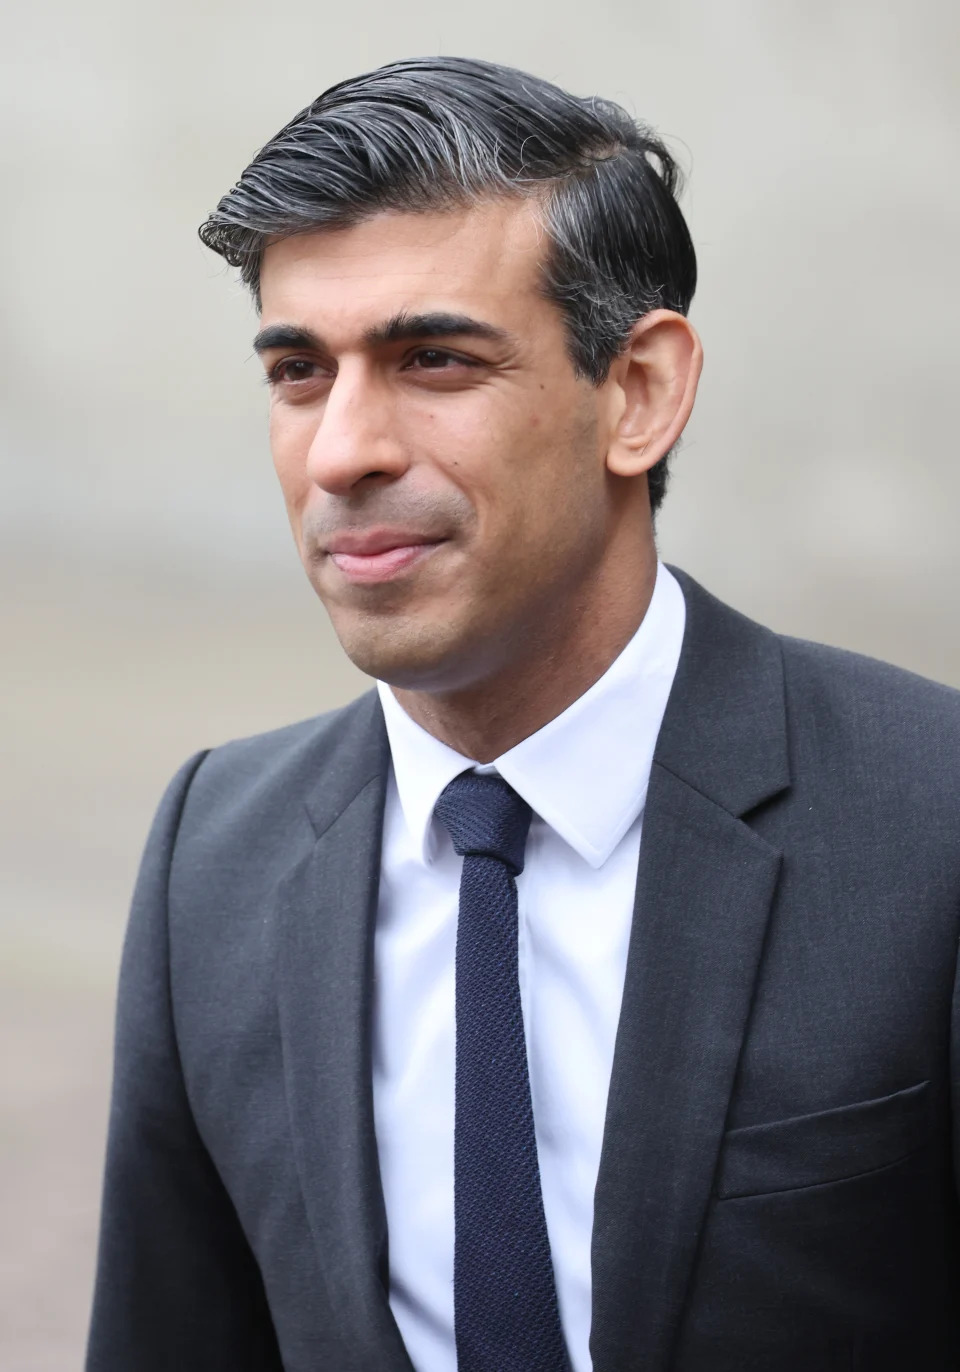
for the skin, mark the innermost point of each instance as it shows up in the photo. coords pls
(473, 515)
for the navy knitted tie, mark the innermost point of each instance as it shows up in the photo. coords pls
(505, 1301)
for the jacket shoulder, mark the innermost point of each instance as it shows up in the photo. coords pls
(281, 749)
(893, 732)
(865, 687)
(752, 709)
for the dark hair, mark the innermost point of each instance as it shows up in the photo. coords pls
(438, 132)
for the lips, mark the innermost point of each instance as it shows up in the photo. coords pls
(379, 554)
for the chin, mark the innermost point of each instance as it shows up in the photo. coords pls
(412, 655)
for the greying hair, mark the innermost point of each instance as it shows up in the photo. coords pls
(442, 132)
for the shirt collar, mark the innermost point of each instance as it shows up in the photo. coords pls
(586, 772)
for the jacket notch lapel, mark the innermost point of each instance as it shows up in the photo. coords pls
(327, 913)
(705, 886)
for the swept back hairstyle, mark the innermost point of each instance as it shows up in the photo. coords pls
(442, 132)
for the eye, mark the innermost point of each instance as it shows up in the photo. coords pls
(437, 360)
(290, 370)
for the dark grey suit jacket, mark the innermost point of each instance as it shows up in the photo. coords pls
(777, 1187)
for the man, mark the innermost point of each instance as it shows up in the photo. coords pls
(582, 996)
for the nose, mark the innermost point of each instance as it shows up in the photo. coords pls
(357, 437)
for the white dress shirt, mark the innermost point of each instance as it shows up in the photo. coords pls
(585, 776)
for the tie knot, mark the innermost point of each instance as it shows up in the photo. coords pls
(485, 817)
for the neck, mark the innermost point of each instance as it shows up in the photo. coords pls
(485, 720)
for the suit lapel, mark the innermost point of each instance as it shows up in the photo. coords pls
(327, 910)
(704, 890)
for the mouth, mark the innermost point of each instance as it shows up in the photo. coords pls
(380, 555)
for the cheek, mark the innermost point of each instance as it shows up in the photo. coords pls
(558, 515)
(545, 477)
(290, 439)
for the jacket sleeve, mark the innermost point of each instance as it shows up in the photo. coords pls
(955, 1076)
(177, 1286)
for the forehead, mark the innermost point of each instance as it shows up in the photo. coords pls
(484, 260)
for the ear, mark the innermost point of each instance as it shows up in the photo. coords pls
(654, 381)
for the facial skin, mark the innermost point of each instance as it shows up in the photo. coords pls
(473, 515)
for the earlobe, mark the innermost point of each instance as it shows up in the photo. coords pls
(657, 374)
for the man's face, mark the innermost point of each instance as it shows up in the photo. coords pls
(442, 464)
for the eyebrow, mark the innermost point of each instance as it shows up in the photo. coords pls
(436, 324)
(401, 328)
(285, 336)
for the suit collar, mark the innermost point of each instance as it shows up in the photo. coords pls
(352, 752)
(724, 732)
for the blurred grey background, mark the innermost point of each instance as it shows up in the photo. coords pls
(151, 600)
